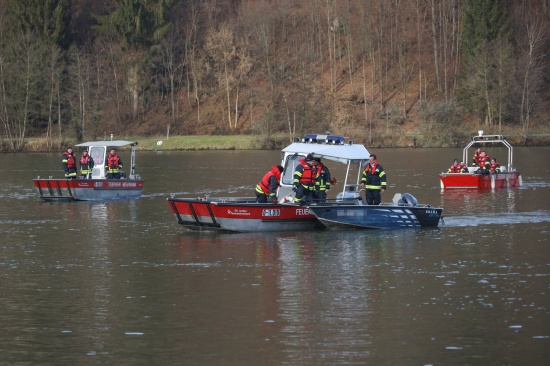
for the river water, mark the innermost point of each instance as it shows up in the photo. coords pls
(121, 283)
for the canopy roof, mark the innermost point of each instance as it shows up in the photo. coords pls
(339, 153)
(115, 143)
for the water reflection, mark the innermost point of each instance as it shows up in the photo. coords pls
(121, 282)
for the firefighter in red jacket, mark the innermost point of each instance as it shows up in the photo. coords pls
(484, 163)
(457, 167)
(113, 165)
(305, 179)
(494, 167)
(374, 181)
(69, 164)
(477, 156)
(266, 190)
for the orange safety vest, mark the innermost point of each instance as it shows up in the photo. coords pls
(264, 183)
(309, 174)
(71, 162)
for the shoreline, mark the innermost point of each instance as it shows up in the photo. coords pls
(235, 142)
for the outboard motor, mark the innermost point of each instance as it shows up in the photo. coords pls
(408, 199)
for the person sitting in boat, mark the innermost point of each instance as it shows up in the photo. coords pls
(464, 167)
(305, 179)
(457, 167)
(484, 163)
(114, 165)
(322, 186)
(266, 190)
(374, 181)
(86, 165)
(477, 156)
(494, 167)
(69, 164)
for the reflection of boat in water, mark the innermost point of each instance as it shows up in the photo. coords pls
(508, 177)
(98, 187)
(348, 209)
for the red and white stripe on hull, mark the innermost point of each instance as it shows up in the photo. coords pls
(88, 189)
(241, 216)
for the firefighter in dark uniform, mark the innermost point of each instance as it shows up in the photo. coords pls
(86, 165)
(374, 181)
(323, 181)
(266, 190)
(69, 164)
(305, 179)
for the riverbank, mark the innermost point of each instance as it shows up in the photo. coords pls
(232, 142)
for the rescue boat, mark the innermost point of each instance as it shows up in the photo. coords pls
(96, 186)
(507, 178)
(348, 209)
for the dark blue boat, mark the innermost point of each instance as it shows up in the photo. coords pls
(403, 212)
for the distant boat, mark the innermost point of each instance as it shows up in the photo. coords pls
(243, 214)
(97, 187)
(507, 178)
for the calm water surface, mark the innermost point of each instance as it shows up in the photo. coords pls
(120, 283)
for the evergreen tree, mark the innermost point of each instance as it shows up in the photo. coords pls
(484, 37)
(48, 19)
(140, 23)
(484, 22)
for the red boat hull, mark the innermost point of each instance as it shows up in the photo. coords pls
(479, 181)
(241, 215)
(88, 189)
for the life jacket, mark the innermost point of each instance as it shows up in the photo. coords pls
(113, 163)
(309, 173)
(494, 167)
(476, 158)
(264, 183)
(85, 160)
(85, 166)
(70, 160)
(484, 162)
(455, 168)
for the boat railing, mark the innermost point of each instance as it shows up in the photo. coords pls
(482, 139)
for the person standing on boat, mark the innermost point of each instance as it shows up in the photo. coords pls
(114, 165)
(494, 167)
(484, 163)
(323, 181)
(374, 181)
(69, 164)
(266, 190)
(477, 156)
(86, 165)
(305, 179)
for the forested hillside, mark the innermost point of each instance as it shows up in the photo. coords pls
(384, 72)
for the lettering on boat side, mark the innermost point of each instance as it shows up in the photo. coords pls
(271, 212)
(302, 211)
(122, 184)
(432, 213)
(98, 184)
(236, 211)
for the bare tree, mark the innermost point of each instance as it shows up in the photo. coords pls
(531, 63)
(21, 74)
(54, 67)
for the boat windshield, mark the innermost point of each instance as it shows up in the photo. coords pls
(291, 162)
(97, 153)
